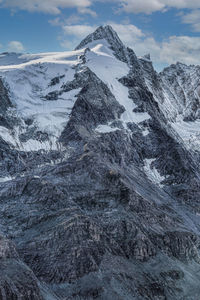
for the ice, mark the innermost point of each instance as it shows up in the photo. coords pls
(7, 178)
(152, 173)
(145, 132)
(8, 136)
(189, 132)
(28, 84)
(105, 129)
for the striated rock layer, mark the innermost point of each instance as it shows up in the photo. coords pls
(99, 184)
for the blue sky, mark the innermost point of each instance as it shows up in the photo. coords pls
(167, 29)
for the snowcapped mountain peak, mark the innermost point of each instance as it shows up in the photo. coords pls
(102, 32)
(106, 33)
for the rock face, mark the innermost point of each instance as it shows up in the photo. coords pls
(99, 184)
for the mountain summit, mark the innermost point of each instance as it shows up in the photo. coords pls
(106, 33)
(100, 33)
(99, 175)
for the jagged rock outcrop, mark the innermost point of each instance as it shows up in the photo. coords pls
(182, 85)
(17, 281)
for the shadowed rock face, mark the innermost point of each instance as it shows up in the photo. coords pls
(5, 101)
(17, 281)
(113, 212)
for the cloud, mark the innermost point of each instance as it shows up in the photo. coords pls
(128, 32)
(182, 48)
(192, 18)
(56, 22)
(84, 6)
(49, 6)
(78, 31)
(15, 46)
(69, 44)
(73, 34)
(150, 6)
(86, 10)
(142, 6)
(73, 19)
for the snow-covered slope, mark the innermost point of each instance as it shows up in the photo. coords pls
(177, 92)
(181, 86)
(104, 64)
(30, 78)
(28, 83)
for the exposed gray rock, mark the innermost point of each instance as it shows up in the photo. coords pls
(17, 281)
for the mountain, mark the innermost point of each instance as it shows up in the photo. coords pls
(99, 184)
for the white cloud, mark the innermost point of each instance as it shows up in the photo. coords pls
(86, 10)
(48, 6)
(150, 6)
(56, 22)
(182, 48)
(192, 18)
(15, 46)
(73, 19)
(128, 32)
(84, 6)
(69, 44)
(142, 6)
(182, 3)
(78, 31)
(73, 34)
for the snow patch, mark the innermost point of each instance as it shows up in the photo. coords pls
(145, 132)
(189, 132)
(7, 178)
(105, 129)
(8, 136)
(152, 172)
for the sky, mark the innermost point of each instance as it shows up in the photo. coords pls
(167, 29)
